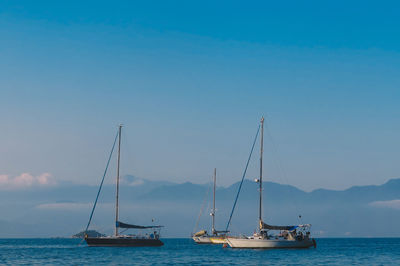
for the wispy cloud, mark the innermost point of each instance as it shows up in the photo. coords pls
(26, 180)
(78, 206)
(132, 181)
(71, 206)
(392, 204)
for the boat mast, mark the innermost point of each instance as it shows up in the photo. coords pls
(213, 210)
(117, 192)
(261, 169)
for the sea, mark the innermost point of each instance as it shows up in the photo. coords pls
(329, 251)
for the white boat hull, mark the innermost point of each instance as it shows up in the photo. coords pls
(268, 243)
(202, 240)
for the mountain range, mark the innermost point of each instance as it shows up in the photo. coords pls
(63, 209)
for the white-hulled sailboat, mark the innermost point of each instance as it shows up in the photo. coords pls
(216, 237)
(288, 236)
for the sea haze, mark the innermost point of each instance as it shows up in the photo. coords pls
(63, 209)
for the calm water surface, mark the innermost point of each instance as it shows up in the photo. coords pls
(361, 251)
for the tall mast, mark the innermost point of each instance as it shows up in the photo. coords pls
(117, 194)
(213, 210)
(261, 169)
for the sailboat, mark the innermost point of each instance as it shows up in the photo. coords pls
(288, 237)
(119, 239)
(216, 237)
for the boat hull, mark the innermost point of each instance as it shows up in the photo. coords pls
(122, 242)
(202, 239)
(269, 243)
(218, 239)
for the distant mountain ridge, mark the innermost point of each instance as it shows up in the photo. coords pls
(63, 210)
(278, 192)
(140, 188)
(387, 191)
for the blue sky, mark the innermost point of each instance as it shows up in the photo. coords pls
(190, 81)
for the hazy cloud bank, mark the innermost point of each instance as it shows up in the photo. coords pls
(26, 180)
(392, 204)
(65, 206)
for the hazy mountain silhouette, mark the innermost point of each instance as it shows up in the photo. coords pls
(63, 210)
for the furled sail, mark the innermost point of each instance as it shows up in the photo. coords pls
(124, 225)
(201, 233)
(276, 227)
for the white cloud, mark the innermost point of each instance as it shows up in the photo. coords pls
(137, 182)
(87, 206)
(65, 206)
(25, 180)
(72, 206)
(132, 181)
(45, 179)
(392, 204)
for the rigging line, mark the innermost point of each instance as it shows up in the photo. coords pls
(209, 208)
(101, 184)
(123, 230)
(241, 182)
(202, 208)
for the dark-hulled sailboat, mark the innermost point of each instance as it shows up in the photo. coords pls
(122, 240)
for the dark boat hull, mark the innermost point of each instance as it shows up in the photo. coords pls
(122, 242)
